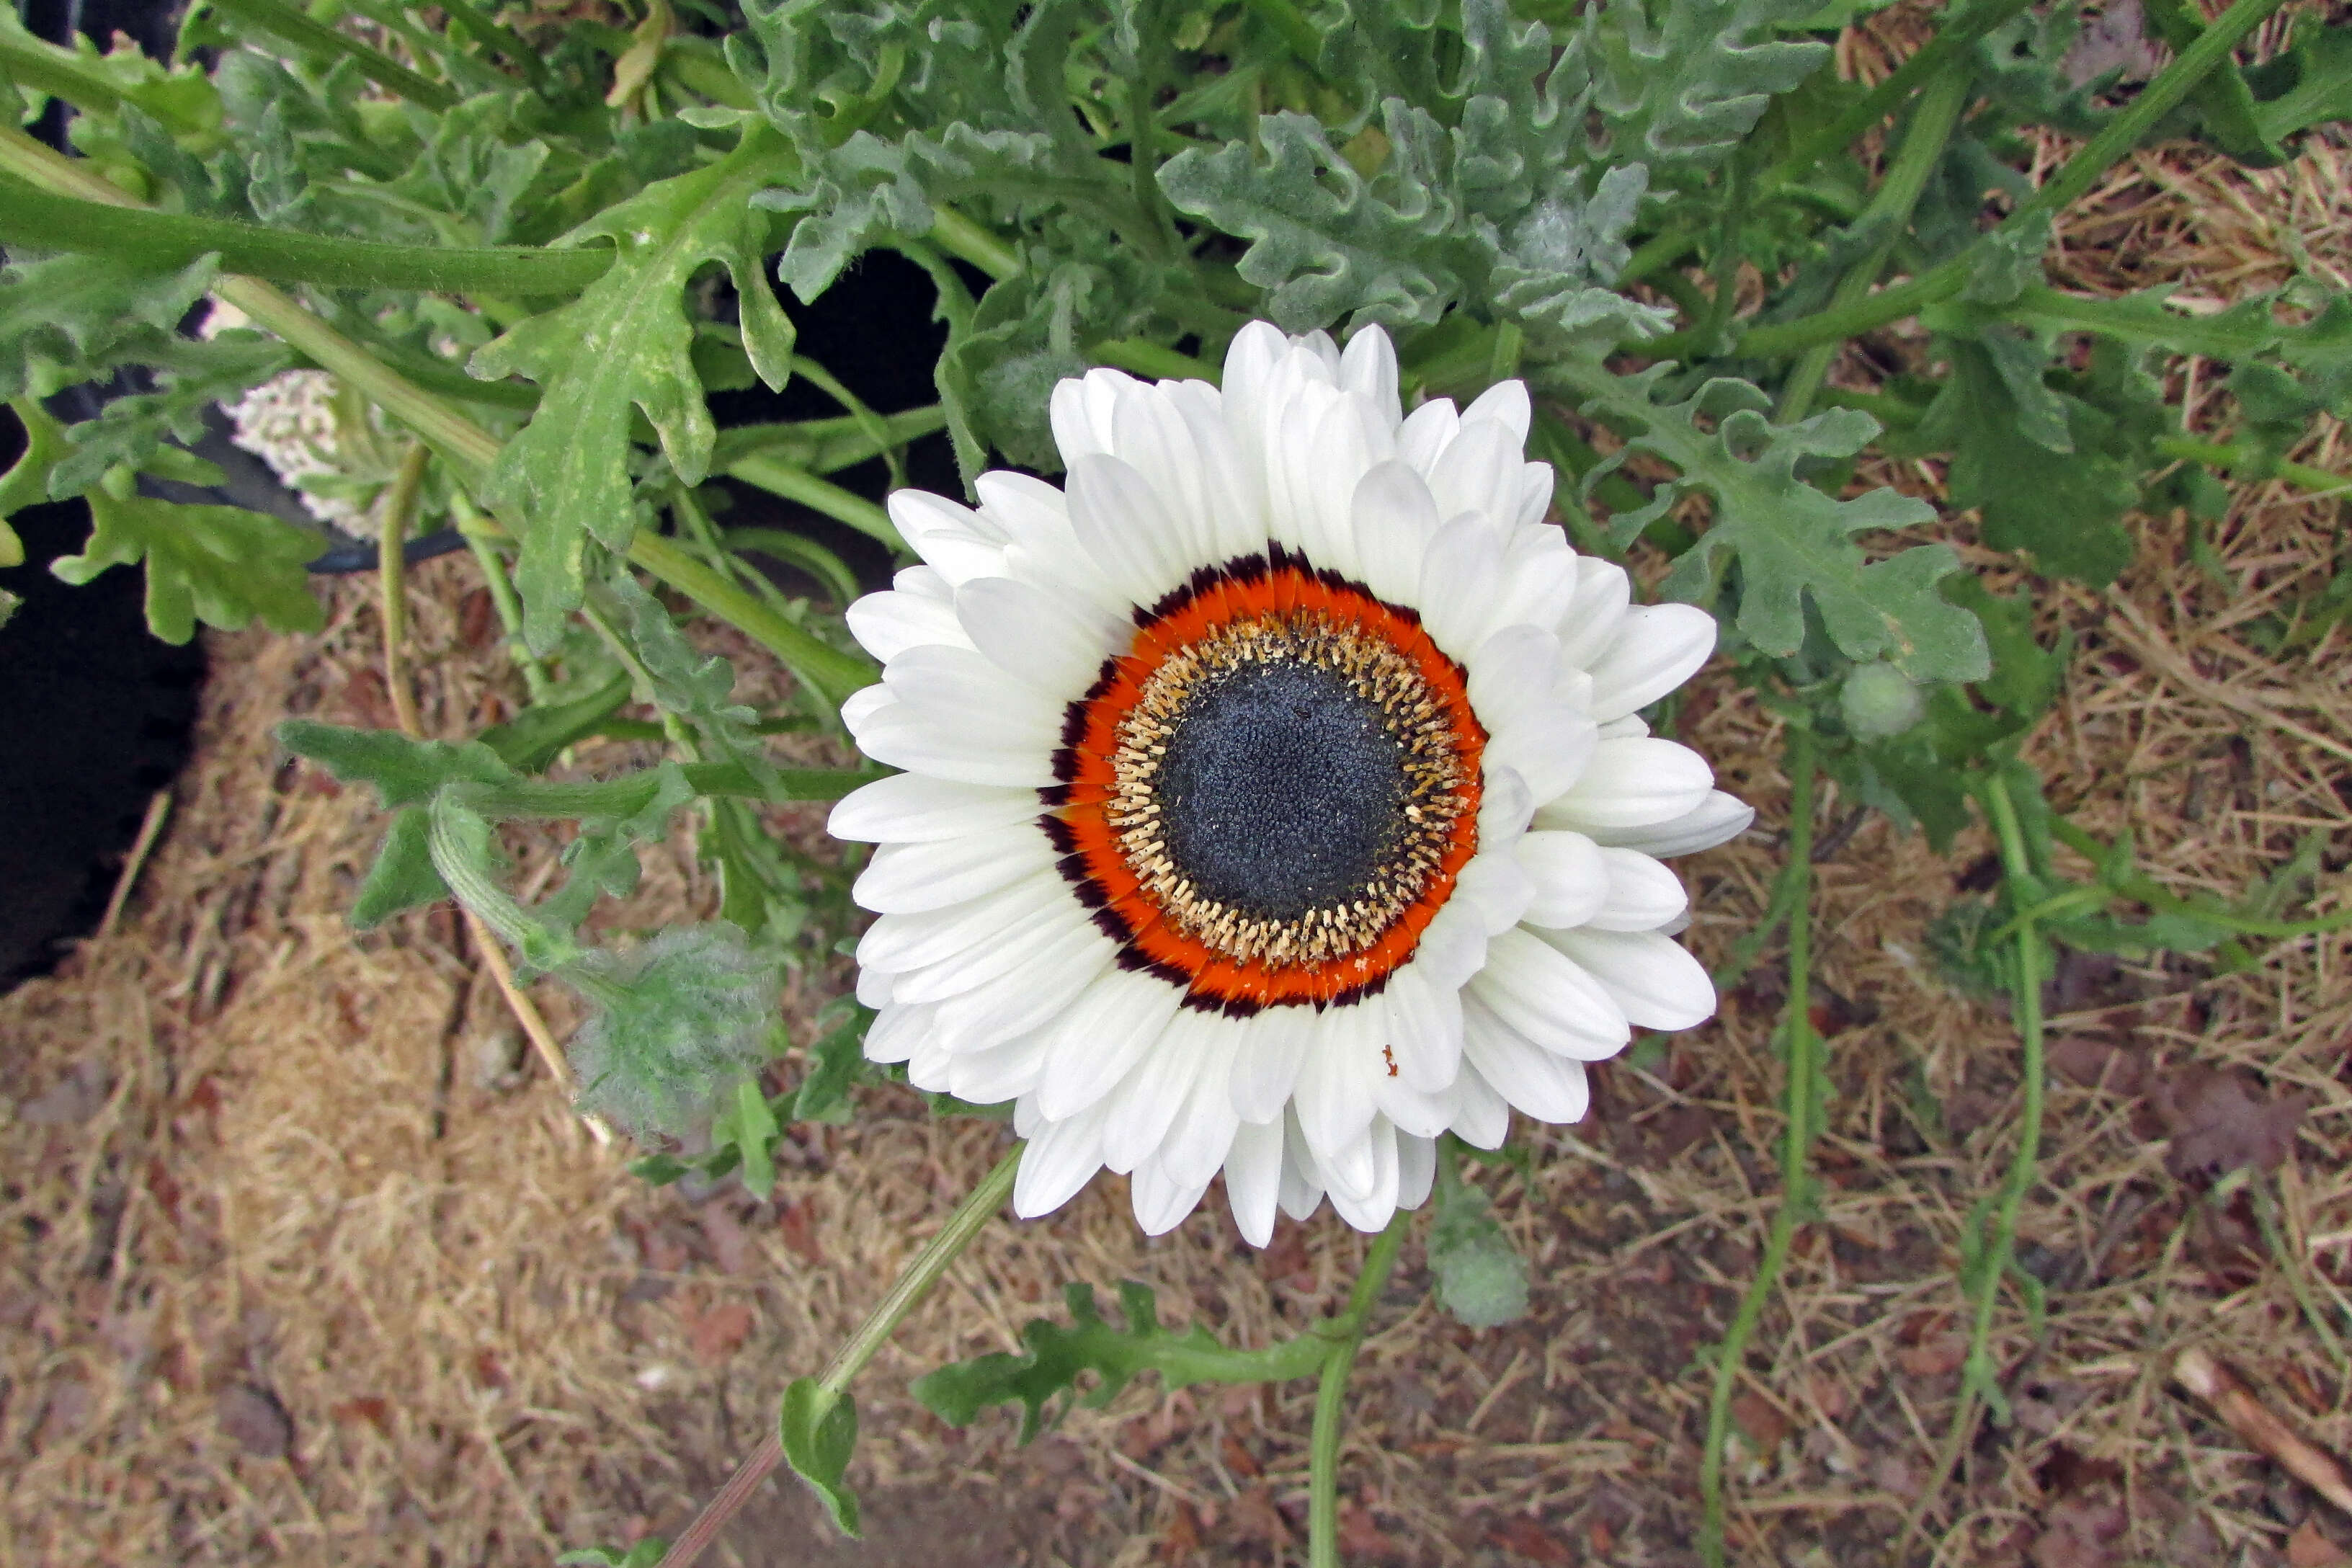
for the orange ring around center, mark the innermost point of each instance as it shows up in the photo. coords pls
(1094, 862)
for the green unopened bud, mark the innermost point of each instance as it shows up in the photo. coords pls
(1879, 699)
(678, 1021)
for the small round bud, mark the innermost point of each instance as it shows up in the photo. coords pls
(1878, 700)
(679, 1020)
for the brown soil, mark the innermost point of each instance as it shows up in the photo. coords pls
(306, 1261)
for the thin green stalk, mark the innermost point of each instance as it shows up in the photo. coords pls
(285, 23)
(1880, 101)
(832, 672)
(34, 219)
(1994, 1251)
(962, 238)
(1801, 1097)
(870, 1336)
(1923, 148)
(1150, 359)
(780, 477)
(392, 582)
(2157, 896)
(1330, 1398)
(2122, 133)
(474, 527)
(2220, 455)
(1291, 25)
(1707, 335)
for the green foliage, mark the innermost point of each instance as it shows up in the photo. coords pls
(1481, 1278)
(1794, 546)
(220, 564)
(820, 1434)
(747, 1128)
(70, 319)
(678, 1019)
(1680, 82)
(627, 341)
(1043, 1377)
(645, 1553)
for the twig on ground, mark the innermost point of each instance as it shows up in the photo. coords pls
(2229, 1398)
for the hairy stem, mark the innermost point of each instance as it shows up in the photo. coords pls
(2123, 133)
(1330, 1396)
(1890, 208)
(37, 220)
(392, 582)
(1801, 1097)
(1994, 1244)
(871, 1335)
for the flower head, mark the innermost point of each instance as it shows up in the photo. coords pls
(1275, 799)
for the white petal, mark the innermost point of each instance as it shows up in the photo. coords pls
(1495, 886)
(1658, 984)
(1570, 878)
(1544, 997)
(900, 942)
(1507, 403)
(1035, 517)
(1161, 1201)
(1481, 1117)
(1023, 999)
(1460, 582)
(1253, 1179)
(1596, 607)
(1301, 1189)
(969, 747)
(1416, 1169)
(1370, 1203)
(895, 1033)
(997, 1074)
(1424, 1023)
(1630, 784)
(1453, 945)
(1717, 819)
(1551, 747)
(1334, 1096)
(907, 879)
(1265, 1064)
(1205, 1127)
(1369, 368)
(860, 706)
(887, 625)
(1537, 486)
(1539, 576)
(1642, 894)
(960, 681)
(1037, 938)
(874, 988)
(955, 541)
(1061, 1157)
(1506, 806)
(1114, 1022)
(1395, 520)
(1547, 1087)
(1479, 471)
(1412, 1111)
(908, 808)
(1144, 1105)
(1512, 673)
(1235, 492)
(1658, 648)
(930, 1067)
(1427, 433)
(1126, 532)
(1057, 643)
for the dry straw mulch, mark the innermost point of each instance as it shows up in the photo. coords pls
(306, 1261)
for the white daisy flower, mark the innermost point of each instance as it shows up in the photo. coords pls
(1274, 798)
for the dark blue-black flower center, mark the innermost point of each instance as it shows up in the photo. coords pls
(1282, 789)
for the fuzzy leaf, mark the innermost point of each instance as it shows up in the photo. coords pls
(818, 1437)
(190, 377)
(403, 877)
(1792, 542)
(535, 737)
(70, 319)
(833, 1064)
(678, 1023)
(220, 564)
(748, 1126)
(627, 341)
(403, 772)
(1481, 1276)
(26, 482)
(1678, 83)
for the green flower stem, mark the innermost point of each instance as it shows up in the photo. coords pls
(2250, 464)
(391, 581)
(1802, 1099)
(1923, 148)
(977, 1208)
(479, 533)
(631, 794)
(292, 27)
(33, 219)
(2123, 133)
(961, 238)
(1881, 100)
(834, 674)
(1345, 1337)
(827, 445)
(780, 477)
(43, 68)
(1993, 1252)
(1150, 359)
(2148, 891)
